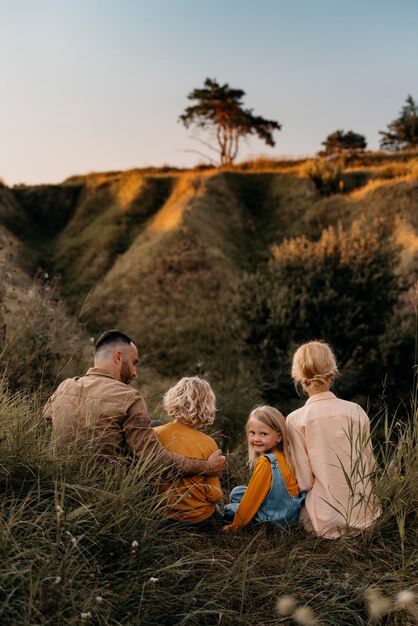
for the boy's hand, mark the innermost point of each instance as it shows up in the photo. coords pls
(215, 463)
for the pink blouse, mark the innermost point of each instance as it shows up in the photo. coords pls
(333, 460)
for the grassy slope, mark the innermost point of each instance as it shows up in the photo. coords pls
(169, 283)
(162, 252)
(60, 563)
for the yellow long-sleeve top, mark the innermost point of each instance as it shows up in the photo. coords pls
(259, 487)
(190, 498)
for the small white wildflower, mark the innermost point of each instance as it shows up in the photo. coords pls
(286, 605)
(91, 339)
(377, 604)
(59, 512)
(57, 580)
(99, 599)
(304, 616)
(86, 615)
(405, 598)
(135, 545)
(153, 580)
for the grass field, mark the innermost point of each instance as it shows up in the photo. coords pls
(86, 544)
(160, 253)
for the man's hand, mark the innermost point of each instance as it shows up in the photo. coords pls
(215, 463)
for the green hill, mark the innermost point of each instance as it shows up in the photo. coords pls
(161, 253)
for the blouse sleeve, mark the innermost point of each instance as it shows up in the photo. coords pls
(255, 494)
(300, 457)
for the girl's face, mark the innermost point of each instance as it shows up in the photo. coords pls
(261, 437)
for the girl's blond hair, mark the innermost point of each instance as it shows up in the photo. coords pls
(314, 366)
(271, 417)
(192, 402)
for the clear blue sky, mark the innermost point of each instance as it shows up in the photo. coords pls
(94, 85)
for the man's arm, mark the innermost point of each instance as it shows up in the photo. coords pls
(142, 440)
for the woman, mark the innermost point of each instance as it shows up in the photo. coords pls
(331, 450)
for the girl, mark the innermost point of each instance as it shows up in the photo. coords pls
(331, 451)
(272, 495)
(191, 405)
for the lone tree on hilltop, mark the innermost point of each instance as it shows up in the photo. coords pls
(402, 133)
(343, 144)
(220, 108)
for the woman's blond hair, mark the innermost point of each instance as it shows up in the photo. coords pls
(192, 402)
(271, 417)
(314, 366)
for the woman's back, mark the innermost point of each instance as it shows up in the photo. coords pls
(332, 455)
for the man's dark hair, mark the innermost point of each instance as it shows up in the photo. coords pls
(113, 336)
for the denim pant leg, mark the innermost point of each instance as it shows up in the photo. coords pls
(236, 496)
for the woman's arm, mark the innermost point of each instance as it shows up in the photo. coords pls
(255, 494)
(300, 457)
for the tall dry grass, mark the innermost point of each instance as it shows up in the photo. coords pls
(82, 543)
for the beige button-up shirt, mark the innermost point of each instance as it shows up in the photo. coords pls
(333, 460)
(99, 410)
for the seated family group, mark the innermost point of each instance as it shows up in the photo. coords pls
(315, 466)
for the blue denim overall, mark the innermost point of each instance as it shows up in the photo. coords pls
(279, 507)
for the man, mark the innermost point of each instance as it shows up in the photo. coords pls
(102, 409)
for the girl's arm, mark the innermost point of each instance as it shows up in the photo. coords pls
(255, 494)
(213, 489)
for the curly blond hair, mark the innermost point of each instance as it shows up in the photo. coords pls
(192, 402)
(314, 366)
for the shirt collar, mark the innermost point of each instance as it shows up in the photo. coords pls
(324, 395)
(98, 371)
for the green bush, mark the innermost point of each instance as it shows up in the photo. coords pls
(392, 170)
(325, 174)
(342, 288)
(412, 168)
(44, 344)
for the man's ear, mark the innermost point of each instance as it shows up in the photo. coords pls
(117, 357)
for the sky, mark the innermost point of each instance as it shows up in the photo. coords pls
(98, 85)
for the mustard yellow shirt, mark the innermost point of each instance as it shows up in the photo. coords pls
(190, 498)
(260, 485)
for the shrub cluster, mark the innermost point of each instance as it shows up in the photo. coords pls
(343, 288)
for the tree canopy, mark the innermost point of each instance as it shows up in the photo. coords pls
(402, 132)
(220, 108)
(343, 144)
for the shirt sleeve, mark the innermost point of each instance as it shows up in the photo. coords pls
(300, 456)
(47, 410)
(255, 494)
(141, 440)
(213, 489)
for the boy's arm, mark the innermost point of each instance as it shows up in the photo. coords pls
(213, 489)
(254, 496)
